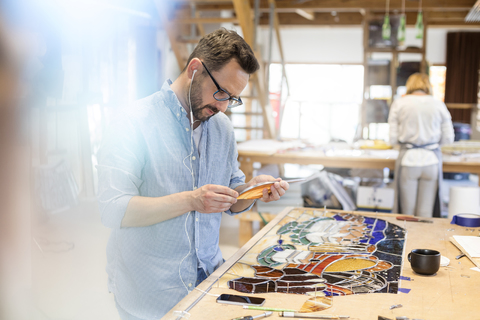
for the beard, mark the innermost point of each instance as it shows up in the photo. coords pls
(197, 103)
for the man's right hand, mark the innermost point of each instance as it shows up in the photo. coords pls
(213, 198)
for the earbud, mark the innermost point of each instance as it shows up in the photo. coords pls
(194, 71)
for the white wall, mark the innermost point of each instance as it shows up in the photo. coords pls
(316, 45)
(343, 45)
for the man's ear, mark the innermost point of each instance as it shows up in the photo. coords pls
(194, 66)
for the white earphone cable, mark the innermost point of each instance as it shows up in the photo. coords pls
(193, 177)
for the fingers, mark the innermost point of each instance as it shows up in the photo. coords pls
(221, 206)
(215, 198)
(277, 190)
(224, 199)
(223, 190)
(220, 198)
(212, 206)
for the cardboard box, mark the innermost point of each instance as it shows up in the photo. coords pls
(375, 199)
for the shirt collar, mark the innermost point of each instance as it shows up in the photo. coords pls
(172, 101)
(174, 104)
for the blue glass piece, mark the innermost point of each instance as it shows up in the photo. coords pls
(380, 225)
(369, 220)
(377, 236)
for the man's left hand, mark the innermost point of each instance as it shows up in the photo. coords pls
(277, 190)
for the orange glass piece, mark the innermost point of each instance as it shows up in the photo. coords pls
(317, 303)
(256, 192)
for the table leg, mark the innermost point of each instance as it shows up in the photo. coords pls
(247, 167)
(245, 232)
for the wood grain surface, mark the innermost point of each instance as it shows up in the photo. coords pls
(452, 293)
(475, 261)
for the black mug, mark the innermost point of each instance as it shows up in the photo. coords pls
(424, 261)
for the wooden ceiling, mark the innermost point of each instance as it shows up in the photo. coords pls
(344, 12)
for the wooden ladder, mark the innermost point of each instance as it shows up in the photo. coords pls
(184, 26)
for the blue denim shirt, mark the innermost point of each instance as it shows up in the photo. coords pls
(150, 269)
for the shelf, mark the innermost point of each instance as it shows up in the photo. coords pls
(395, 50)
(461, 105)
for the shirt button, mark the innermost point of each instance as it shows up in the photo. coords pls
(193, 158)
(196, 219)
(190, 285)
(188, 129)
(178, 114)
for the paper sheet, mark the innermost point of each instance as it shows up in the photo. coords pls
(470, 244)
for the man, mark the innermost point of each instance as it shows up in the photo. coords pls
(163, 188)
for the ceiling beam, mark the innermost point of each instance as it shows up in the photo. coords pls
(204, 20)
(319, 19)
(356, 18)
(336, 5)
(339, 6)
(436, 18)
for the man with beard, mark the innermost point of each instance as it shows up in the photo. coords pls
(167, 170)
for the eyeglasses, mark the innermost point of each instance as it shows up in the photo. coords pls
(222, 95)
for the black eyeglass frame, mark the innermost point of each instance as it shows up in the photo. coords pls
(230, 98)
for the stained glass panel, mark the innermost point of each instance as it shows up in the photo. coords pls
(321, 253)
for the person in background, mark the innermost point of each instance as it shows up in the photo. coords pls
(420, 124)
(167, 170)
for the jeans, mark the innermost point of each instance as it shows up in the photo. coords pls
(418, 189)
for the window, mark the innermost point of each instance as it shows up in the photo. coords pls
(324, 102)
(437, 79)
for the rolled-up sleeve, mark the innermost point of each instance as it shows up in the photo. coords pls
(120, 162)
(237, 179)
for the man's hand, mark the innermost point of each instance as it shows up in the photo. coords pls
(213, 198)
(277, 190)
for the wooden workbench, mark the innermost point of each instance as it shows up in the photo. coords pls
(452, 293)
(247, 158)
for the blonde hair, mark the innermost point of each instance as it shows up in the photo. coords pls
(419, 81)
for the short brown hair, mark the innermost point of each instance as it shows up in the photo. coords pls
(418, 81)
(216, 49)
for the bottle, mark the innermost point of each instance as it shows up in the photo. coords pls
(401, 31)
(419, 25)
(386, 29)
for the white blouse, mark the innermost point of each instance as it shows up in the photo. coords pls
(420, 120)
